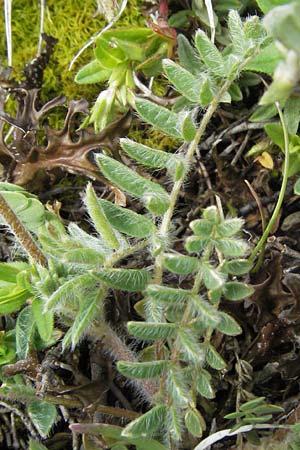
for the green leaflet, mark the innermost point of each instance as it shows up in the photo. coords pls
(236, 31)
(183, 81)
(127, 221)
(202, 227)
(178, 388)
(158, 116)
(210, 54)
(132, 280)
(231, 247)
(152, 330)
(235, 290)
(44, 320)
(84, 257)
(154, 196)
(29, 210)
(12, 299)
(132, 50)
(71, 290)
(212, 215)
(99, 219)
(93, 72)
(190, 346)
(203, 384)
(266, 61)
(174, 423)
(151, 157)
(212, 277)
(193, 244)
(182, 265)
(107, 55)
(25, 328)
(194, 422)
(167, 294)
(292, 114)
(213, 358)
(89, 308)
(263, 112)
(187, 127)
(43, 415)
(147, 423)
(9, 271)
(209, 316)
(149, 369)
(228, 325)
(237, 266)
(188, 57)
(87, 240)
(229, 227)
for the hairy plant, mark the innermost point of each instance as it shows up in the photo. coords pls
(178, 321)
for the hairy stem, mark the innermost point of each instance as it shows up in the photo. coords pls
(120, 352)
(23, 235)
(166, 222)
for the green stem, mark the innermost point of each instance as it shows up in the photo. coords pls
(277, 209)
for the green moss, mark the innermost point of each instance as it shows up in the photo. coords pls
(72, 23)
